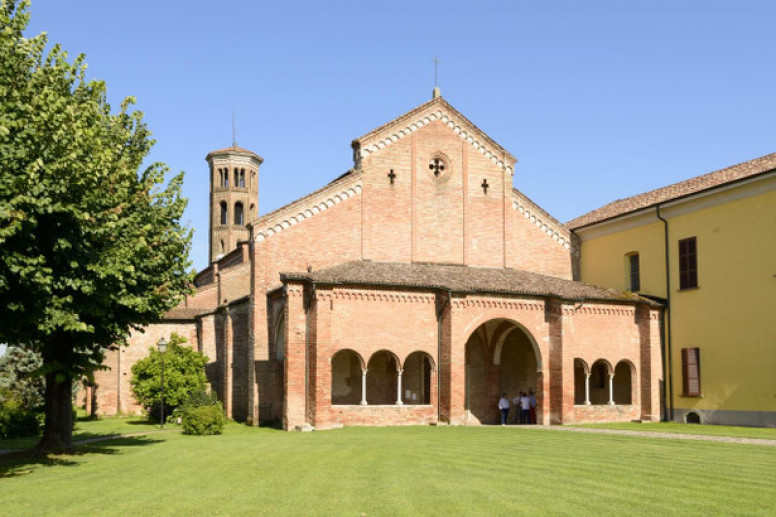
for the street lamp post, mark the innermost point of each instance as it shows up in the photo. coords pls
(162, 349)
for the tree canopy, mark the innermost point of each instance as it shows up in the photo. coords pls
(91, 245)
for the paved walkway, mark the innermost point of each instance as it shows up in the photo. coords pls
(657, 434)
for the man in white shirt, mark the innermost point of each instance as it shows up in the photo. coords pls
(503, 405)
(525, 408)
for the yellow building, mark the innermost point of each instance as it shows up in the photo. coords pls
(707, 248)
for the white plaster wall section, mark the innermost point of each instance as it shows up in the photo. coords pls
(458, 128)
(305, 209)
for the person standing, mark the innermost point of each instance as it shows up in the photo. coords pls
(516, 402)
(532, 404)
(525, 408)
(503, 406)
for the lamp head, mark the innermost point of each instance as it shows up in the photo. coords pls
(162, 344)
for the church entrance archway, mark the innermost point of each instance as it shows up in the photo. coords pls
(501, 357)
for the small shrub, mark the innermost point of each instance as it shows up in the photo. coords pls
(184, 373)
(203, 420)
(16, 421)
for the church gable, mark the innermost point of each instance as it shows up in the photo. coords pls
(435, 189)
(435, 192)
(440, 110)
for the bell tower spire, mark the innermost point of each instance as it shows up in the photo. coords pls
(234, 196)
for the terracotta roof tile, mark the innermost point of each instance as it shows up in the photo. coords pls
(185, 313)
(461, 279)
(677, 190)
(234, 149)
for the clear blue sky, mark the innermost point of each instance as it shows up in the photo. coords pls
(598, 100)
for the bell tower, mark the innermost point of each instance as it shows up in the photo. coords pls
(234, 197)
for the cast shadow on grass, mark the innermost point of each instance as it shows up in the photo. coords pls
(140, 421)
(25, 462)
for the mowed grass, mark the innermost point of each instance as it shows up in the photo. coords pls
(394, 471)
(764, 433)
(86, 429)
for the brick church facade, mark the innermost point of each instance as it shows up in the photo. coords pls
(413, 289)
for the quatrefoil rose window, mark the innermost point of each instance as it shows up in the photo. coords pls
(437, 166)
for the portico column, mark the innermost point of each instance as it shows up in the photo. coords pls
(587, 389)
(398, 387)
(611, 389)
(363, 386)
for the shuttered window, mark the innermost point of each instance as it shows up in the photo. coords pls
(688, 263)
(691, 372)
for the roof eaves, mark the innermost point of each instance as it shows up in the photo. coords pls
(621, 300)
(668, 201)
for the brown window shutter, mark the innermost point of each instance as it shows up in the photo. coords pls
(691, 372)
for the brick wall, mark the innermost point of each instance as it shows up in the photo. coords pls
(423, 217)
(113, 392)
(406, 325)
(240, 360)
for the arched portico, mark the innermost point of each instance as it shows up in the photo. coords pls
(383, 379)
(601, 375)
(347, 369)
(417, 379)
(581, 382)
(501, 357)
(623, 383)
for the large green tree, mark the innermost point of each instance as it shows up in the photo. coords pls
(91, 245)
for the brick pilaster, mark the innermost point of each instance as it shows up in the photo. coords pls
(554, 317)
(294, 402)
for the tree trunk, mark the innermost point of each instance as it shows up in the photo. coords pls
(58, 429)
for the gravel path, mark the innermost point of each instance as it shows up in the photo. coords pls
(655, 434)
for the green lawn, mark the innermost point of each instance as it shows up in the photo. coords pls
(393, 471)
(712, 430)
(85, 429)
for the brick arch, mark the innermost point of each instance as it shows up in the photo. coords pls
(624, 389)
(581, 373)
(347, 366)
(509, 324)
(500, 314)
(386, 351)
(582, 363)
(382, 378)
(498, 368)
(360, 359)
(599, 381)
(531, 339)
(426, 354)
(606, 363)
(418, 375)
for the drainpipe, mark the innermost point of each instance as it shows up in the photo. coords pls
(666, 329)
(439, 355)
